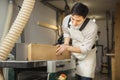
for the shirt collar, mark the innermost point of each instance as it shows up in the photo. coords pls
(74, 27)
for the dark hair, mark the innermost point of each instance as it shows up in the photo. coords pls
(80, 9)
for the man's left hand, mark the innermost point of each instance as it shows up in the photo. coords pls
(61, 49)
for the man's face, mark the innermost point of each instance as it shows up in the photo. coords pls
(77, 20)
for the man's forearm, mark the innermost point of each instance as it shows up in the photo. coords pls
(74, 49)
(71, 48)
(66, 40)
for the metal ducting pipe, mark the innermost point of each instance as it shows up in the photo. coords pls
(8, 19)
(113, 27)
(107, 29)
(6, 29)
(15, 30)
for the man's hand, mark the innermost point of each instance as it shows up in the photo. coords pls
(61, 49)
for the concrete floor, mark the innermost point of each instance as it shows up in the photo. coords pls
(100, 76)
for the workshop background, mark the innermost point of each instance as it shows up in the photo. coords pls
(52, 12)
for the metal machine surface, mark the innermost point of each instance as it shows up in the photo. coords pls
(60, 65)
(55, 68)
(25, 70)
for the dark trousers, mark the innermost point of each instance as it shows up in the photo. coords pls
(82, 78)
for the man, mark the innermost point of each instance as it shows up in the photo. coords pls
(83, 41)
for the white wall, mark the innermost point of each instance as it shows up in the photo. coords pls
(103, 41)
(35, 33)
(103, 35)
(102, 28)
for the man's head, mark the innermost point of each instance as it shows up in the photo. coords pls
(79, 11)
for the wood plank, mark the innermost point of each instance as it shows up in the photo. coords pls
(117, 42)
(45, 52)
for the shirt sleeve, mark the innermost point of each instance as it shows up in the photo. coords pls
(66, 32)
(90, 38)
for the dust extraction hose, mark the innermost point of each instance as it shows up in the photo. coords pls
(16, 29)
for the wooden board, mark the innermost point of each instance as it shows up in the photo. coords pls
(45, 52)
(117, 42)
